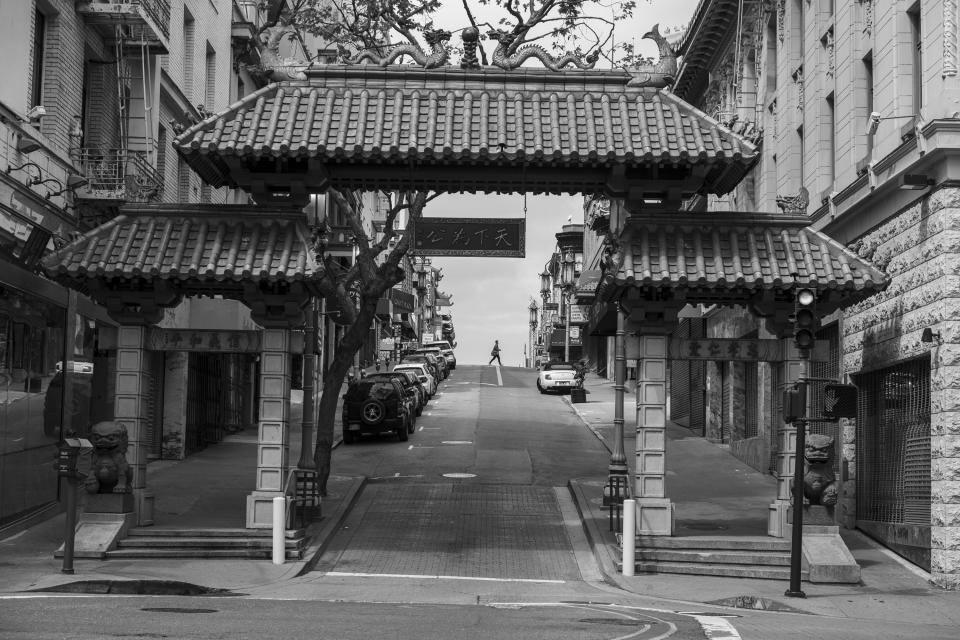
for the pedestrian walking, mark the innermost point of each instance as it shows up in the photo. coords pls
(495, 353)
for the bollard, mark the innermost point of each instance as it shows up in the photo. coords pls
(279, 530)
(629, 536)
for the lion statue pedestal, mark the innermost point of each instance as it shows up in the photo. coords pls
(108, 509)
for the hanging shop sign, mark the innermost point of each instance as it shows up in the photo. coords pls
(579, 313)
(207, 340)
(480, 237)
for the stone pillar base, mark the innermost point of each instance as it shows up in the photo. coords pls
(826, 557)
(98, 533)
(144, 502)
(655, 517)
(777, 526)
(260, 509)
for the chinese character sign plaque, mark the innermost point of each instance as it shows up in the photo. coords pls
(490, 237)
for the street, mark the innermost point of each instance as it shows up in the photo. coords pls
(465, 531)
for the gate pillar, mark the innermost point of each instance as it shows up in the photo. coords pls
(792, 369)
(273, 434)
(654, 509)
(130, 409)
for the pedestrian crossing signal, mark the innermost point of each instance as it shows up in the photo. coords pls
(794, 402)
(839, 401)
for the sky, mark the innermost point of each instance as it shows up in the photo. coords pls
(491, 296)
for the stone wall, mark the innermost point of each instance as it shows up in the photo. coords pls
(919, 248)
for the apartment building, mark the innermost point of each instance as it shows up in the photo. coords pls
(91, 94)
(855, 107)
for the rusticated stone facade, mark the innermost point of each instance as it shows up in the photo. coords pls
(919, 248)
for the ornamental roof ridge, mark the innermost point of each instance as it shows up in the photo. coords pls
(714, 218)
(490, 75)
(237, 212)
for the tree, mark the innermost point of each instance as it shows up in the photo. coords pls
(354, 25)
(354, 292)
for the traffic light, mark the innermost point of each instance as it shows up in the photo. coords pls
(805, 320)
(839, 401)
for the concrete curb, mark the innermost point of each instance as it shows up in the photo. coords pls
(326, 530)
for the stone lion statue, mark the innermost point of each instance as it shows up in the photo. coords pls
(110, 472)
(819, 481)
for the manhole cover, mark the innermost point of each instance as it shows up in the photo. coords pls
(177, 610)
(459, 475)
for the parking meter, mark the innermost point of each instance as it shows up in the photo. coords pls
(67, 456)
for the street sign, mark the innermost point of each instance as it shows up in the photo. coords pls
(482, 237)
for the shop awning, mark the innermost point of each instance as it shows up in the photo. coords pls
(736, 257)
(587, 283)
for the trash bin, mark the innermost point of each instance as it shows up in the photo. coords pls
(578, 395)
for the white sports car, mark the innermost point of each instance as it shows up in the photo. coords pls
(557, 376)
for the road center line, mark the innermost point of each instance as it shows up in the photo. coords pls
(344, 574)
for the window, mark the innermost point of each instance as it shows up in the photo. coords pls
(210, 95)
(830, 138)
(868, 91)
(183, 181)
(39, 40)
(189, 34)
(916, 47)
(162, 157)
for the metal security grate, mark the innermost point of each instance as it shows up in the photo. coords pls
(830, 370)
(893, 450)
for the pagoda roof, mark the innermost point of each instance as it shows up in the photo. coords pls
(209, 246)
(737, 257)
(365, 126)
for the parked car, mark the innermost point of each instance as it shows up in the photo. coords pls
(446, 350)
(428, 359)
(557, 376)
(423, 374)
(441, 360)
(375, 406)
(411, 387)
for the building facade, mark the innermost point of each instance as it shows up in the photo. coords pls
(91, 97)
(854, 106)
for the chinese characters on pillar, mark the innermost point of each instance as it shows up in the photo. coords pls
(496, 237)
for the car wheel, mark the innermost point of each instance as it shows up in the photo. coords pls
(373, 412)
(402, 434)
(411, 426)
(419, 411)
(540, 388)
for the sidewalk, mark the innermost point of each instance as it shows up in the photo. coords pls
(206, 490)
(717, 494)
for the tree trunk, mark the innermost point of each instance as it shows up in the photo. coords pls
(332, 384)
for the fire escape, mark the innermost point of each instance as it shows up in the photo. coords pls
(119, 157)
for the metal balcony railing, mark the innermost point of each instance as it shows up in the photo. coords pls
(119, 174)
(154, 12)
(159, 12)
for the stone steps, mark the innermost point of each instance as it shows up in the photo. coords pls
(729, 556)
(149, 542)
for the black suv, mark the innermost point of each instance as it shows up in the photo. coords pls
(410, 387)
(377, 407)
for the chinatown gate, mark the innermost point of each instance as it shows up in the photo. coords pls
(458, 129)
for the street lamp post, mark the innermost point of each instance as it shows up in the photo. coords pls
(568, 278)
(422, 291)
(533, 328)
(545, 294)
